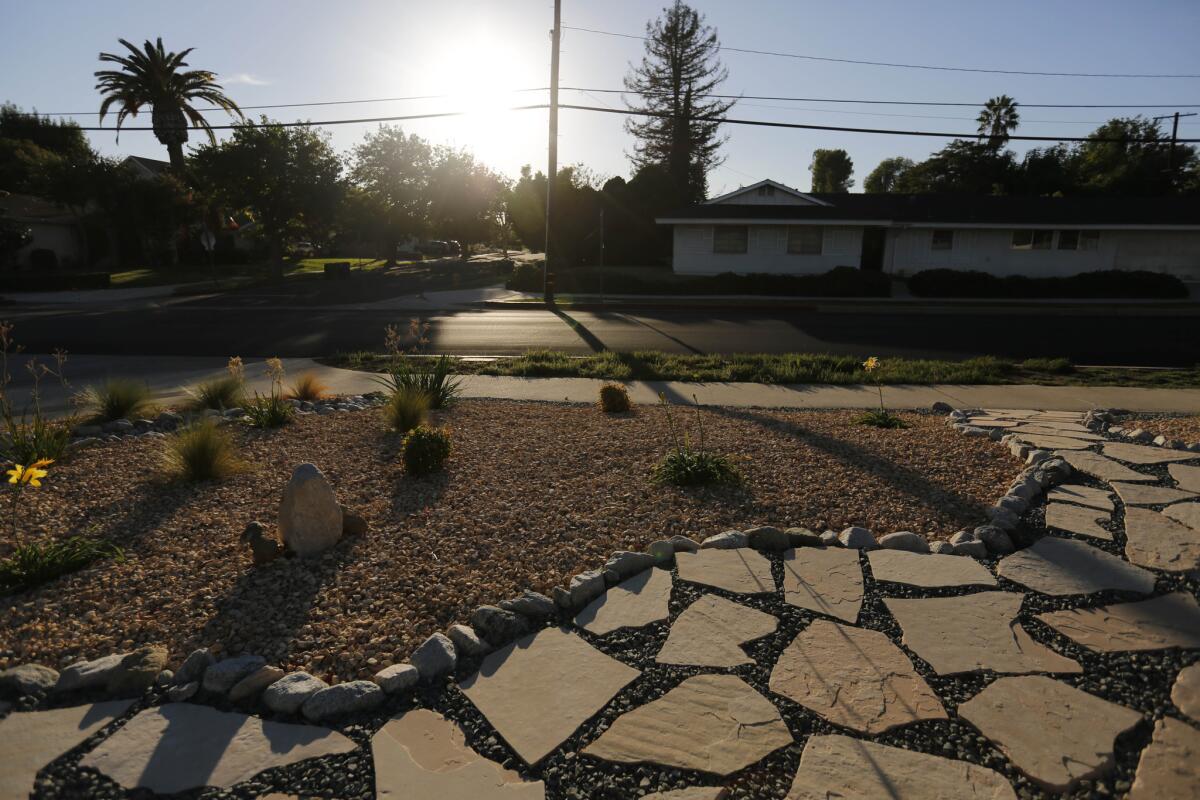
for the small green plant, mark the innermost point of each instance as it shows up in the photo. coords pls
(881, 418)
(688, 465)
(202, 452)
(271, 410)
(31, 565)
(308, 387)
(37, 439)
(405, 409)
(27, 438)
(614, 398)
(222, 391)
(426, 450)
(437, 380)
(117, 398)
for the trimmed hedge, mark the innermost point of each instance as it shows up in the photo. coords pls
(52, 281)
(838, 282)
(1123, 284)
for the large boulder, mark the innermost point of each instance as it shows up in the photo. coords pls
(28, 679)
(310, 519)
(137, 671)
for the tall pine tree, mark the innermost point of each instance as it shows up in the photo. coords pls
(679, 69)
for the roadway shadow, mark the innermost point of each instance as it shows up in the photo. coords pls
(589, 338)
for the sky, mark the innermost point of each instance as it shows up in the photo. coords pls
(480, 53)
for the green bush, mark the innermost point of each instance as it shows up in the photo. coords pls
(526, 277)
(688, 466)
(614, 398)
(219, 393)
(32, 565)
(426, 450)
(269, 411)
(27, 442)
(879, 418)
(118, 398)
(437, 382)
(1055, 366)
(405, 409)
(1115, 284)
(202, 452)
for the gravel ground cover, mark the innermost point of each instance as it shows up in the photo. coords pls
(533, 493)
(1184, 427)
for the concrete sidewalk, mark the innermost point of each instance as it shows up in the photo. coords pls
(168, 377)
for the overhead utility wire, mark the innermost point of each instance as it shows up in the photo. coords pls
(906, 66)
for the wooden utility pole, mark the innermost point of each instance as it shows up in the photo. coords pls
(552, 171)
(1174, 136)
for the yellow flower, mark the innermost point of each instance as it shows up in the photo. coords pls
(871, 364)
(32, 474)
(14, 474)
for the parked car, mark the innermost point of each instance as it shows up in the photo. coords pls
(434, 248)
(301, 250)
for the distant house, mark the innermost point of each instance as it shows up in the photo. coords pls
(769, 227)
(146, 168)
(58, 239)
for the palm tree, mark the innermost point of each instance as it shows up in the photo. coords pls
(998, 119)
(152, 77)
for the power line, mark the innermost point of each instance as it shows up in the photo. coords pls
(317, 124)
(906, 66)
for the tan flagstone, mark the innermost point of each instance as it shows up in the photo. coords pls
(1100, 467)
(993, 422)
(32, 739)
(1058, 414)
(1170, 765)
(1053, 442)
(738, 570)
(973, 632)
(1076, 519)
(633, 603)
(1187, 477)
(855, 678)
(1185, 694)
(1139, 494)
(844, 767)
(1052, 732)
(420, 753)
(709, 632)
(1187, 513)
(1083, 496)
(538, 690)
(1068, 430)
(827, 580)
(1172, 620)
(691, 793)
(1158, 541)
(1057, 566)
(712, 723)
(1016, 413)
(1143, 454)
(181, 746)
(929, 570)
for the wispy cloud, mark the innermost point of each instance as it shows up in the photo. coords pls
(244, 78)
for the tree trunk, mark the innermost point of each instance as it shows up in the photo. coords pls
(175, 150)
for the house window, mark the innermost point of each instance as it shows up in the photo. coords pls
(805, 241)
(1032, 240)
(1089, 240)
(730, 238)
(942, 240)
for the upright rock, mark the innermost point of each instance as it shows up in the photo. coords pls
(310, 519)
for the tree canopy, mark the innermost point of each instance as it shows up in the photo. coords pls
(831, 171)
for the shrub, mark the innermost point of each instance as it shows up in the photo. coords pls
(203, 452)
(688, 465)
(269, 411)
(437, 381)
(526, 277)
(33, 564)
(118, 398)
(1119, 284)
(880, 418)
(27, 442)
(426, 450)
(614, 398)
(1055, 366)
(308, 387)
(219, 393)
(406, 409)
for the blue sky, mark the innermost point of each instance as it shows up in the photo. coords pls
(269, 51)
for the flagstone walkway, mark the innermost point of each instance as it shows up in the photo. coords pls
(1070, 667)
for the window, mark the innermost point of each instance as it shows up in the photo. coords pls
(1079, 240)
(804, 240)
(730, 238)
(1032, 240)
(1068, 240)
(1089, 240)
(942, 240)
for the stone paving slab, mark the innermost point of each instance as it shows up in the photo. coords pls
(1057, 566)
(928, 570)
(843, 767)
(827, 580)
(1143, 454)
(1072, 429)
(181, 746)
(1083, 496)
(633, 603)
(1076, 519)
(974, 632)
(1053, 733)
(1047, 441)
(1185, 694)
(1156, 540)
(1172, 620)
(1187, 477)
(538, 690)
(1187, 513)
(709, 632)
(29, 740)
(420, 753)
(855, 678)
(993, 422)
(1170, 766)
(1100, 467)
(1139, 494)
(691, 793)
(712, 723)
(741, 570)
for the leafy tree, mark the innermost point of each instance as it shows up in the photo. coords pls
(1048, 171)
(578, 218)
(961, 167)
(392, 173)
(831, 171)
(883, 178)
(152, 76)
(998, 119)
(287, 179)
(31, 145)
(1128, 167)
(464, 197)
(679, 69)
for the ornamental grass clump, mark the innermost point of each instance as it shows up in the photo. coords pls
(117, 398)
(203, 452)
(220, 392)
(31, 435)
(33, 564)
(614, 399)
(692, 465)
(406, 409)
(426, 450)
(435, 379)
(271, 410)
(307, 388)
(881, 418)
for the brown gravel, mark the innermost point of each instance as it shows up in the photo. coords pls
(533, 493)
(1185, 428)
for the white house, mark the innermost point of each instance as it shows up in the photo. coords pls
(772, 228)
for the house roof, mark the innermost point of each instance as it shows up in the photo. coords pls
(755, 186)
(151, 165)
(959, 210)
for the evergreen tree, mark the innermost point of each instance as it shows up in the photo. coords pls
(831, 171)
(679, 69)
